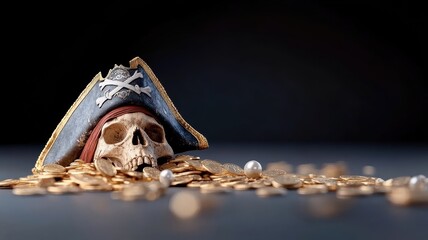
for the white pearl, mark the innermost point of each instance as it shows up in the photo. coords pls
(253, 169)
(166, 176)
(418, 182)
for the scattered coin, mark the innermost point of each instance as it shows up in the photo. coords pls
(353, 178)
(53, 168)
(233, 169)
(212, 166)
(286, 180)
(151, 172)
(8, 183)
(196, 164)
(105, 166)
(272, 172)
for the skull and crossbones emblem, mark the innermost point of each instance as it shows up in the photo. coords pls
(121, 78)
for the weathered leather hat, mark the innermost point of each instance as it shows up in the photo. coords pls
(135, 85)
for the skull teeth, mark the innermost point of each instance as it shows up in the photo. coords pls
(147, 160)
(140, 160)
(154, 162)
(135, 162)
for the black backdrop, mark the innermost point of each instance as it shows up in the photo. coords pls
(236, 71)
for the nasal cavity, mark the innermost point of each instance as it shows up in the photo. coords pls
(137, 138)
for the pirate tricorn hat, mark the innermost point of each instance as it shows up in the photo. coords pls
(135, 85)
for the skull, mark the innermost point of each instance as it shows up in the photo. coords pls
(132, 140)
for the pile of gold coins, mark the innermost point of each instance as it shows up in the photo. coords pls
(211, 176)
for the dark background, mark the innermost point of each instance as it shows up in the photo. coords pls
(294, 71)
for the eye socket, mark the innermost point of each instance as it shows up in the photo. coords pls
(155, 133)
(114, 133)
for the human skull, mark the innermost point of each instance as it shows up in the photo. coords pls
(131, 140)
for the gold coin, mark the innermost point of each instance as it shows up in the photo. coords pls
(180, 169)
(181, 180)
(273, 172)
(183, 158)
(151, 172)
(167, 165)
(212, 166)
(324, 180)
(134, 174)
(46, 182)
(105, 166)
(353, 183)
(51, 175)
(65, 182)
(53, 168)
(233, 169)
(256, 185)
(286, 180)
(197, 164)
(308, 181)
(8, 183)
(312, 175)
(231, 179)
(86, 179)
(353, 178)
(195, 177)
(195, 172)
(230, 184)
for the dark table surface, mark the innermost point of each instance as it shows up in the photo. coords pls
(234, 215)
